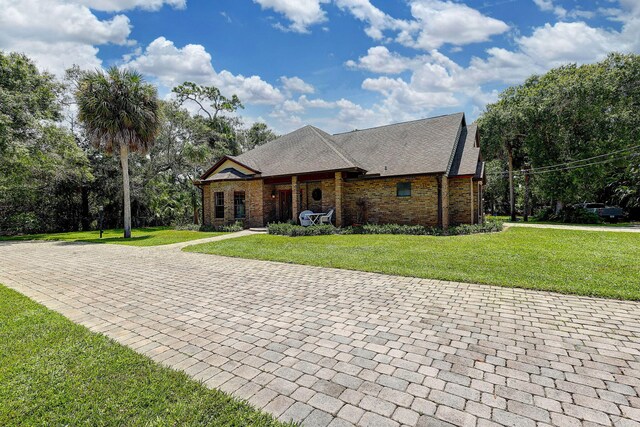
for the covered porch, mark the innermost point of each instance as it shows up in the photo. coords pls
(285, 197)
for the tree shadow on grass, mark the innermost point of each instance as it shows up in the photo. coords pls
(117, 240)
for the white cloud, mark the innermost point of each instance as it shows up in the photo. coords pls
(121, 5)
(301, 13)
(568, 42)
(438, 82)
(445, 22)
(380, 60)
(548, 6)
(296, 85)
(377, 20)
(59, 34)
(434, 23)
(172, 66)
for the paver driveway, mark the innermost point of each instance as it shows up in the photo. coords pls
(335, 347)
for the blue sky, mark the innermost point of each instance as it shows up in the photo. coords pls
(337, 64)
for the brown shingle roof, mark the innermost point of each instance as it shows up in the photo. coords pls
(465, 161)
(442, 144)
(417, 147)
(305, 150)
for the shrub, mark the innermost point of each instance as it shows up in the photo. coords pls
(487, 227)
(569, 215)
(21, 223)
(236, 226)
(189, 227)
(286, 229)
(390, 229)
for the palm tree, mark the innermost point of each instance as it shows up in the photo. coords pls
(119, 111)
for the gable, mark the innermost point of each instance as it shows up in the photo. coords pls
(230, 164)
(226, 167)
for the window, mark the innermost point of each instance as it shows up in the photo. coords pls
(403, 189)
(316, 194)
(238, 205)
(218, 198)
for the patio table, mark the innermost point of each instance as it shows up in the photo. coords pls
(314, 217)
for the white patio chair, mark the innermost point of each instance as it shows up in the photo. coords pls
(304, 219)
(326, 219)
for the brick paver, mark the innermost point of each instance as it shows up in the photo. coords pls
(326, 346)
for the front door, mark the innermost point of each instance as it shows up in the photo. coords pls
(285, 205)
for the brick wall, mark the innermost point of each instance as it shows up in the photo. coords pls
(383, 206)
(253, 193)
(269, 204)
(328, 199)
(460, 201)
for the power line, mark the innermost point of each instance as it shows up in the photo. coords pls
(567, 166)
(585, 165)
(588, 158)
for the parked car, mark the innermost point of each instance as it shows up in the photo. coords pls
(607, 213)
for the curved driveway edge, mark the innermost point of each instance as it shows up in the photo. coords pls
(337, 347)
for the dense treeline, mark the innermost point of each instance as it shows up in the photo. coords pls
(575, 128)
(53, 179)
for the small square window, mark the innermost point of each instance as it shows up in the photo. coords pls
(403, 189)
(218, 197)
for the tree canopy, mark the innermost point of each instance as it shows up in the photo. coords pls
(577, 127)
(40, 164)
(55, 174)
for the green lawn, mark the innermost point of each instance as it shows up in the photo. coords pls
(589, 263)
(150, 236)
(56, 373)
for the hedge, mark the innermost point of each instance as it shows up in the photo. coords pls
(287, 229)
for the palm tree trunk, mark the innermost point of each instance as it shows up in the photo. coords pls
(512, 195)
(124, 162)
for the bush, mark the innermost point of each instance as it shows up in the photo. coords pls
(569, 215)
(21, 223)
(188, 227)
(236, 226)
(488, 227)
(286, 229)
(415, 230)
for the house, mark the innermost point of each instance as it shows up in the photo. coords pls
(426, 172)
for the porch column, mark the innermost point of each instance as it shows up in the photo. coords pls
(338, 208)
(472, 198)
(294, 198)
(444, 201)
(480, 203)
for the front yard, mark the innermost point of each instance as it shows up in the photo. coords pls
(54, 372)
(150, 236)
(589, 263)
